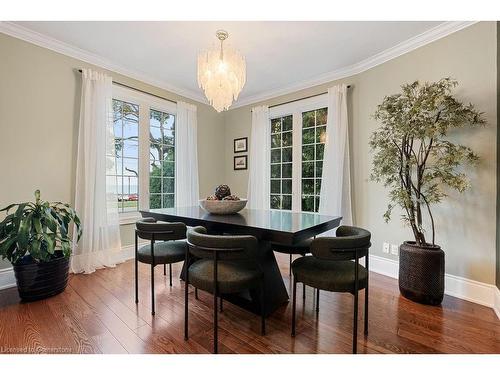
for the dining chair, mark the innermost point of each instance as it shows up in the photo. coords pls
(171, 249)
(223, 265)
(331, 268)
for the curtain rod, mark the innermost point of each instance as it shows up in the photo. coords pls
(296, 100)
(139, 90)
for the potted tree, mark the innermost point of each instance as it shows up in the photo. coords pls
(413, 158)
(35, 238)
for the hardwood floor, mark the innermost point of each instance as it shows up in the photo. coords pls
(97, 314)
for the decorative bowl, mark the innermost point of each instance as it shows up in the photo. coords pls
(223, 207)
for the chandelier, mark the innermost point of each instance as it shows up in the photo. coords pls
(221, 74)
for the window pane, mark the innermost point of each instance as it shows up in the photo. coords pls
(155, 201)
(162, 159)
(319, 168)
(307, 136)
(276, 125)
(287, 123)
(321, 134)
(307, 170)
(316, 204)
(320, 149)
(321, 116)
(308, 203)
(318, 186)
(125, 172)
(276, 186)
(286, 203)
(286, 187)
(275, 202)
(307, 153)
(275, 171)
(276, 140)
(308, 186)
(308, 119)
(287, 139)
(287, 170)
(287, 154)
(276, 156)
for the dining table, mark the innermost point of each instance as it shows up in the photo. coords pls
(268, 226)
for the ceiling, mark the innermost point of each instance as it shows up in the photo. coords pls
(279, 55)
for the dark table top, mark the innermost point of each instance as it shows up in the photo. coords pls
(271, 225)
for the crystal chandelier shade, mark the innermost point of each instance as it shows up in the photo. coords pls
(221, 74)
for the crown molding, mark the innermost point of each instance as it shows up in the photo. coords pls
(44, 41)
(429, 36)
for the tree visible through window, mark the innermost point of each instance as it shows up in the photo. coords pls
(313, 147)
(281, 163)
(162, 159)
(126, 132)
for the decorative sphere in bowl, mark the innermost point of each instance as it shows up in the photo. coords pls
(223, 207)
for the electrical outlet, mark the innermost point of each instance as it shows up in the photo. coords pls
(394, 249)
(385, 248)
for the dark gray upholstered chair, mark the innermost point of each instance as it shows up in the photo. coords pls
(224, 265)
(331, 268)
(171, 249)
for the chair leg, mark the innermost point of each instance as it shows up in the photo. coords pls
(294, 295)
(136, 281)
(317, 300)
(186, 290)
(303, 292)
(355, 324)
(216, 338)
(196, 293)
(152, 289)
(290, 266)
(220, 305)
(170, 273)
(164, 269)
(262, 309)
(366, 310)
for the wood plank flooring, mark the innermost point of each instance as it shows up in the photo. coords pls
(97, 314)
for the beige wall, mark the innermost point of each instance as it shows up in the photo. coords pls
(465, 223)
(39, 109)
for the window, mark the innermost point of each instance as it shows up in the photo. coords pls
(298, 135)
(126, 131)
(281, 163)
(313, 147)
(144, 130)
(162, 159)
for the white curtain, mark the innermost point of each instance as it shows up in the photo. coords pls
(335, 196)
(186, 179)
(260, 146)
(95, 194)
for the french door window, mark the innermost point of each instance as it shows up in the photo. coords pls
(298, 136)
(144, 130)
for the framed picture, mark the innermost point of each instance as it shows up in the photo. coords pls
(241, 145)
(240, 162)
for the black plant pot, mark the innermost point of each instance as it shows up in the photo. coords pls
(421, 273)
(37, 281)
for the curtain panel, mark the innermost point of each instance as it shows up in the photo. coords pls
(186, 180)
(335, 197)
(259, 154)
(96, 195)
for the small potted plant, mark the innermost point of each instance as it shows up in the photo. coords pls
(35, 238)
(413, 158)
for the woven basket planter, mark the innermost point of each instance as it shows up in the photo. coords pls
(421, 273)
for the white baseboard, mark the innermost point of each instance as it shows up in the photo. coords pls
(455, 286)
(7, 278)
(497, 302)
